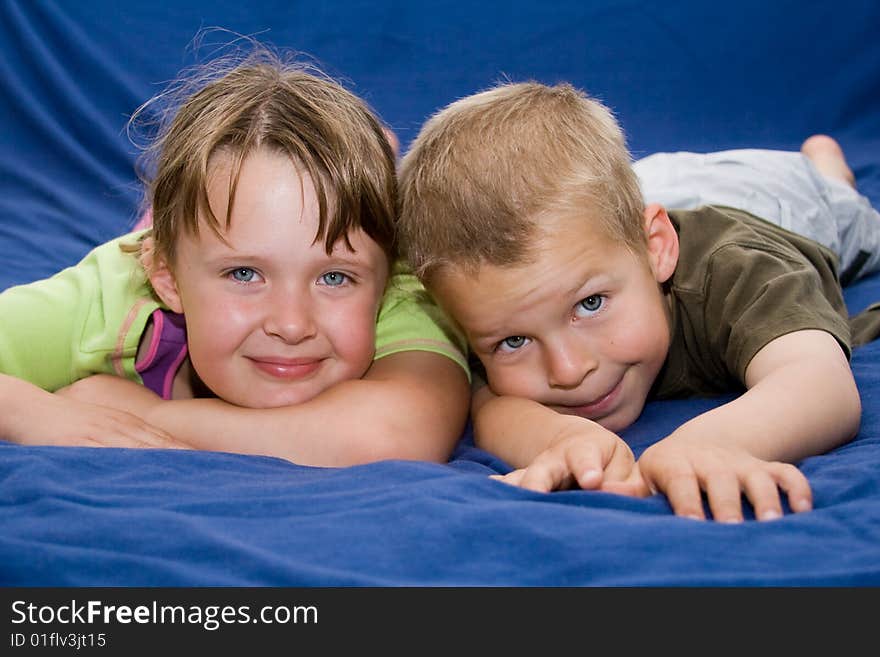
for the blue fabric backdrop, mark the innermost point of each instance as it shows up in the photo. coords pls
(679, 75)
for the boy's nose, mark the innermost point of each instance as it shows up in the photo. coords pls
(290, 318)
(568, 364)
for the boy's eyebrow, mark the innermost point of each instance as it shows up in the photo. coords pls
(592, 278)
(490, 333)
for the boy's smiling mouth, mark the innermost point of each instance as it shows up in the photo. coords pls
(597, 408)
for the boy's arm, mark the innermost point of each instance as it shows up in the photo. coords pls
(801, 400)
(550, 450)
(31, 416)
(409, 405)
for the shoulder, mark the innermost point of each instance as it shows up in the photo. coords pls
(410, 320)
(724, 244)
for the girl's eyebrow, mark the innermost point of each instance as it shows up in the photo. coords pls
(347, 258)
(227, 255)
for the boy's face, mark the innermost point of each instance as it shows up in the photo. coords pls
(583, 329)
(271, 319)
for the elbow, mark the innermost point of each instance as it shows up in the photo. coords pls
(846, 401)
(854, 414)
(847, 420)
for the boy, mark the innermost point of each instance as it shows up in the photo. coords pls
(522, 214)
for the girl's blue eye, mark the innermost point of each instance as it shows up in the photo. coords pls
(513, 343)
(243, 274)
(334, 278)
(591, 304)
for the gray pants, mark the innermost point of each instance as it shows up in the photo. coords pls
(778, 186)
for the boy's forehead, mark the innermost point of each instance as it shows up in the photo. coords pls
(481, 299)
(568, 256)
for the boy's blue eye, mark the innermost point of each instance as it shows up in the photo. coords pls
(590, 304)
(513, 343)
(243, 274)
(334, 278)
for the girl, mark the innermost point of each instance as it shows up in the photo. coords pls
(266, 282)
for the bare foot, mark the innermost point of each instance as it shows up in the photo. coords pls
(827, 155)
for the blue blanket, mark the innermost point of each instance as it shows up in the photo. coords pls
(680, 76)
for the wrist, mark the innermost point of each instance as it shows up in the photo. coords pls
(567, 426)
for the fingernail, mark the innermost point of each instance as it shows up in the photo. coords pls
(591, 476)
(771, 514)
(800, 504)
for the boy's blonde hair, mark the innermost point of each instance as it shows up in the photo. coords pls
(238, 106)
(482, 172)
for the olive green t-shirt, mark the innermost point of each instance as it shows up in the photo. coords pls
(740, 283)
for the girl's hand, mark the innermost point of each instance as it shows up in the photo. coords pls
(58, 420)
(112, 392)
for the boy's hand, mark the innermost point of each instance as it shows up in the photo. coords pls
(585, 455)
(681, 468)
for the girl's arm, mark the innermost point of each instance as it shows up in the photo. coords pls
(31, 416)
(409, 405)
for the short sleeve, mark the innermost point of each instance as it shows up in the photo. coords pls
(759, 294)
(410, 320)
(86, 319)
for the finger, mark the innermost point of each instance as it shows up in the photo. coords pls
(128, 431)
(762, 491)
(119, 439)
(630, 489)
(620, 465)
(543, 477)
(795, 484)
(725, 496)
(157, 439)
(585, 463)
(634, 485)
(136, 432)
(79, 441)
(512, 478)
(683, 492)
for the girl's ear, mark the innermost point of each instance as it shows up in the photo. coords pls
(662, 242)
(161, 276)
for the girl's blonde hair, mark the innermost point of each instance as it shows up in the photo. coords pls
(483, 172)
(239, 104)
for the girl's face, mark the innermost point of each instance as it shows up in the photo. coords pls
(272, 320)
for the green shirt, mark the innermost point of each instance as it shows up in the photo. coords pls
(89, 318)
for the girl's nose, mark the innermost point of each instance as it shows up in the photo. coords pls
(290, 318)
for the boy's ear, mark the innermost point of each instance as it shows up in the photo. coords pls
(662, 242)
(160, 275)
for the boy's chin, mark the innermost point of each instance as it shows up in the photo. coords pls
(615, 422)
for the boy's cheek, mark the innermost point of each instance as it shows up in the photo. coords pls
(518, 382)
